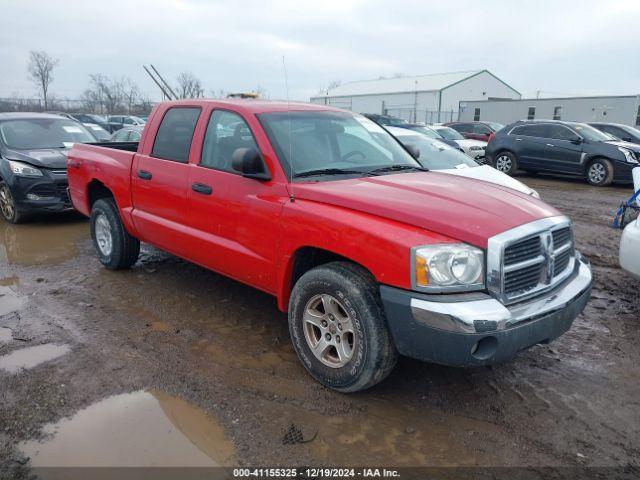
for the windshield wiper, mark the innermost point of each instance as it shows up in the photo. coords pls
(328, 171)
(398, 168)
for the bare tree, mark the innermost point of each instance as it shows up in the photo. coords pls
(40, 69)
(130, 92)
(189, 86)
(109, 91)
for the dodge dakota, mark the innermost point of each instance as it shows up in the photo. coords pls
(371, 255)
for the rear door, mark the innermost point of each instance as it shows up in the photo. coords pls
(530, 146)
(159, 181)
(234, 220)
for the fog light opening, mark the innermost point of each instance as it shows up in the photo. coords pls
(484, 348)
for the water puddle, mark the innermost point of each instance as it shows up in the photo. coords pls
(31, 357)
(41, 243)
(5, 335)
(140, 429)
(10, 301)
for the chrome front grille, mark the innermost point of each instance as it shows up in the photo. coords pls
(530, 259)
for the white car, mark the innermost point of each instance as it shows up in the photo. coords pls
(630, 241)
(436, 155)
(473, 148)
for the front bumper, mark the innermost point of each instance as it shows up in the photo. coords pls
(46, 193)
(629, 246)
(475, 328)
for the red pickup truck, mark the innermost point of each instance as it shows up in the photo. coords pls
(370, 255)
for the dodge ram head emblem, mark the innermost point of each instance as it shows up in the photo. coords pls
(549, 255)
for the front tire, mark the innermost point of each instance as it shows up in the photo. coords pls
(116, 249)
(506, 162)
(338, 327)
(600, 172)
(10, 212)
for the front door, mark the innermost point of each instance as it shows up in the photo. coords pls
(565, 150)
(159, 182)
(235, 220)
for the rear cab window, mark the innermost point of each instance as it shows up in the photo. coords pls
(175, 133)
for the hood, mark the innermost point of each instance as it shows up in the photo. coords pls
(47, 158)
(460, 208)
(490, 174)
(468, 142)
(631, 146)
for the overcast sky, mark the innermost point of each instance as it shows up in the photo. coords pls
(559, 47)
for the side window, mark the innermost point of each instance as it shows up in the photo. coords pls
(226, 132)
(128, 121)
(461, 127)
(638, 117)
(476, 115)
(175, 133)
(530, 131)
(481, 129)
(557, 113)
(559, 132)
(531, 114)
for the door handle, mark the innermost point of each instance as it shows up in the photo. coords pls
(518, 139)
(144, 175)
(550, 145)
(202, 188)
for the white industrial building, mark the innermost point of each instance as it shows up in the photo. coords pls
(612, 109)
(422, 98)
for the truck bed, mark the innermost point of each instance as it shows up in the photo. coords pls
(108, 163)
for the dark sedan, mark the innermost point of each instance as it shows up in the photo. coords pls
(618, 130)
(33, 162)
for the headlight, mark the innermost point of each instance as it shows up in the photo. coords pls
(23, 169)
(629, 155)
(448, 267)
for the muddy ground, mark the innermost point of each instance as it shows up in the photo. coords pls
(100, 368)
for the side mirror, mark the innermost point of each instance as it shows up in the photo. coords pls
(577, 141)
(250, 163)
(413, 150)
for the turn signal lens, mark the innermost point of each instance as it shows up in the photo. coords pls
(422, 272)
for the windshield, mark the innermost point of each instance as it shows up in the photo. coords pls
(495, 126)
(424, 131)
(37, 133)
(436, 155)
(98, 132)
(449, 133)
(334, 142)
(590, 133)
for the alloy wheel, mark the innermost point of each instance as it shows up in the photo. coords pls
(6, 202)
(597, 173)
(504, 163)
(103, 235)
(329, 331)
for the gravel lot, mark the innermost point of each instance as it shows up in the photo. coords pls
(170, 342)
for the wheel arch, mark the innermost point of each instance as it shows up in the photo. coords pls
(303, 259)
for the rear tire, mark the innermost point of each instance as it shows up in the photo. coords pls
(600, 172)
(339, 329)
(116, 249)
(506, 162)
